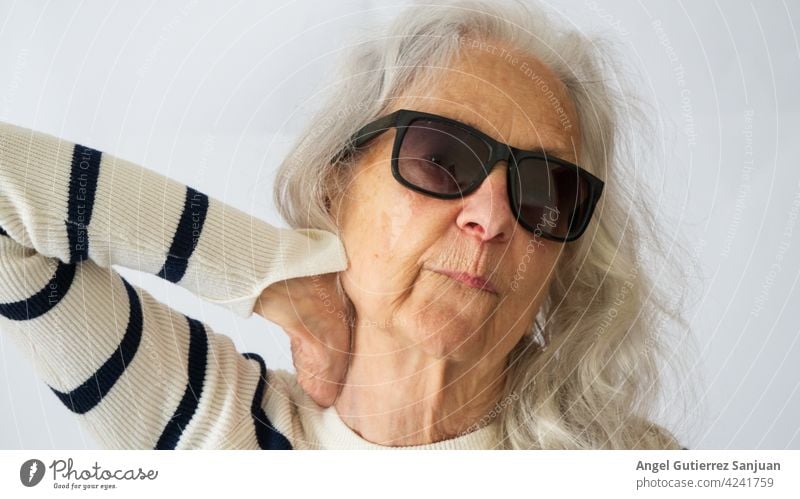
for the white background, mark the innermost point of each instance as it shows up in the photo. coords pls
(213, 93)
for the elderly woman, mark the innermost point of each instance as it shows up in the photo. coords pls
(457, 276)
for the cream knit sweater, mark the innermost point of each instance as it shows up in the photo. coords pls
(137, 373)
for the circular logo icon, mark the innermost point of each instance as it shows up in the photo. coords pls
(31, 472)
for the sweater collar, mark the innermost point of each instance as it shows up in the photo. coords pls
(327, 428)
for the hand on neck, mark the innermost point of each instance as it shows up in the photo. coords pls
(397, 395)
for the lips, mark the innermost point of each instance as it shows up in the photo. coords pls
(468, 279)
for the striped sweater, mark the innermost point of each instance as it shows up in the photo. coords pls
(138, 374)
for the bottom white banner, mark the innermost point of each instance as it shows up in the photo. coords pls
(118, 474)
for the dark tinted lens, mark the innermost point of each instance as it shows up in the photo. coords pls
(441, 158)
(550, 197)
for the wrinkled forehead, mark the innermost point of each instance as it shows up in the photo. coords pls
(506, 93)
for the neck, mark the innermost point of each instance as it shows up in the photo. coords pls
(396, 395)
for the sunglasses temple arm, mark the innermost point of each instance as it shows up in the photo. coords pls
(365, 134)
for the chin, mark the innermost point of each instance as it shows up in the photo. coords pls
(444, 330)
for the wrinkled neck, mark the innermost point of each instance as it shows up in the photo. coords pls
(395, 394)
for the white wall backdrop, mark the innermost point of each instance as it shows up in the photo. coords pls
(213, 93)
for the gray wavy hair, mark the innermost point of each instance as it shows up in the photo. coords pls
(588, 373)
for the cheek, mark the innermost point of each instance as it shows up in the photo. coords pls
(529, 281)
(394, 224)
(533, 266)
(386, 231)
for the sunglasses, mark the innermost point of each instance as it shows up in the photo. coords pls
(447, 159)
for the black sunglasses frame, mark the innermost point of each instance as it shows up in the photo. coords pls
(402, 118)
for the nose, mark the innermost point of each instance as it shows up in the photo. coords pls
(485, 213)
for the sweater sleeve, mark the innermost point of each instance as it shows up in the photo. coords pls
(138, 374)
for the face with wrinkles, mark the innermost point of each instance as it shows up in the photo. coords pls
(402, 244)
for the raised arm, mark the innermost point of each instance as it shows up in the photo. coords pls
(140, 374)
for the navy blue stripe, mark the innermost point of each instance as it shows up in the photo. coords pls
(198, 352)
(82, 190)
(268, 437)
(190, 226)
(92, 391)
(45, 299)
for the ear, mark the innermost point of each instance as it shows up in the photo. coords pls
(333, 201)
